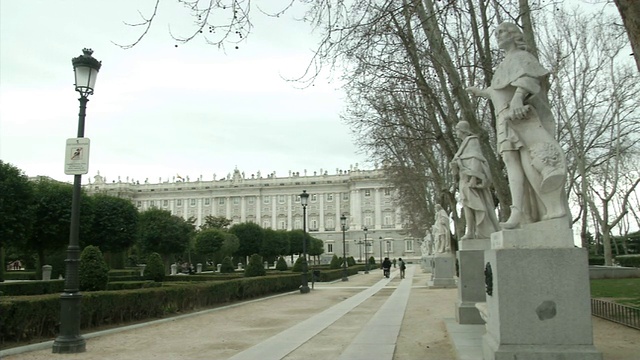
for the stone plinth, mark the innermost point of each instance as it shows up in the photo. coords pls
(538, 298)
(426, 263)
(443, 271)
(471, 288)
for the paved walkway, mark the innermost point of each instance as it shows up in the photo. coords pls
(368, 317)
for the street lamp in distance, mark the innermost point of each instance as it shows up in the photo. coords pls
(85, 68)
(366, 259)
(343, 223)
(304, 199)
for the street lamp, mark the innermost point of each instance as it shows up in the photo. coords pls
(69, 340)
(380, 250)
(366, 259)
(343, 222)
(388, 247)
(304, 198)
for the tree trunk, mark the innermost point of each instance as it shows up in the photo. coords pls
(606, 237)
(630, 13)
(425, 11)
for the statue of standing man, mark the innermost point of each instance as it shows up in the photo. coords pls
(536, 167)
(474, 184)
(441, 231)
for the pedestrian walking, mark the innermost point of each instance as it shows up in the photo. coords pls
(402, 267)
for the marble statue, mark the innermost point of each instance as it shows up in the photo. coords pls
(474, 184)
(427, 245)
(441, 231)
(536, 167)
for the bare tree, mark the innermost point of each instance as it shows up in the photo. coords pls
(596, 96)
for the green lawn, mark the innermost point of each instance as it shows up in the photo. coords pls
(622, 291)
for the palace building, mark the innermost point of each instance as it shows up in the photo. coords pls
(374, 221)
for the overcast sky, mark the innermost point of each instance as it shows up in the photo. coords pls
(160, 110)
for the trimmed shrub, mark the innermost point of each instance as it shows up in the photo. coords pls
(155, 268)
(20, 275)
(94, 272)
(30, 317)
(335, 262)
(255, 267)
(281, 265)
(372, 260)
(39, 287)
(596, 260)
(628, 260)
(227, 266)
(125, 285)
(351, 261)
(297, 266)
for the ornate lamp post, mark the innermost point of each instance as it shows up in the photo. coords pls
(381, 252)
(69, 340)
(304, 198)
(388, 246)
(366, 259)
(343, 223)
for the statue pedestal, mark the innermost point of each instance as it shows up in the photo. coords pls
(443, 271)
(426, 263)
(471, 288)
(538, 298)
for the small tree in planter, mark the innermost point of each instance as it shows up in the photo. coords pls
(94, 272)
(281, 265)
(255, 267)
(155, 268)
(227, 266)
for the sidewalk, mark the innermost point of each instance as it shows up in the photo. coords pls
(368, 317)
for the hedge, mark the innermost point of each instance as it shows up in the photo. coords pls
(596, 260)
(20, 275)
(39, 287)
(28, 317)
(125, 285)
(206, 277)
(628, 260)
(330, 275)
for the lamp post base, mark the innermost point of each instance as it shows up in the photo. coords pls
(304, 289)
(71, 345)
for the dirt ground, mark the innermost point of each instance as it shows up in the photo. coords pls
(221, 333)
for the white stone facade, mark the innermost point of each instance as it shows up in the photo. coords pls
(364, 196)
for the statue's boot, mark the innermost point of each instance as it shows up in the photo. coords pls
(468, 236)
(514, 219)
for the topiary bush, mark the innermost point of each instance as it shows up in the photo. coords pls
(227, 265)
(297, 266)
(335, 262)
(281, 265)
(351, 261)
(155, 268)
(94, 271)
(255, 267)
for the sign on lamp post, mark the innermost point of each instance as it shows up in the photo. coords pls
(76, 158)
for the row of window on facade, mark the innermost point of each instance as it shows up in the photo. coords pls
(266, 199)
(387, 246)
